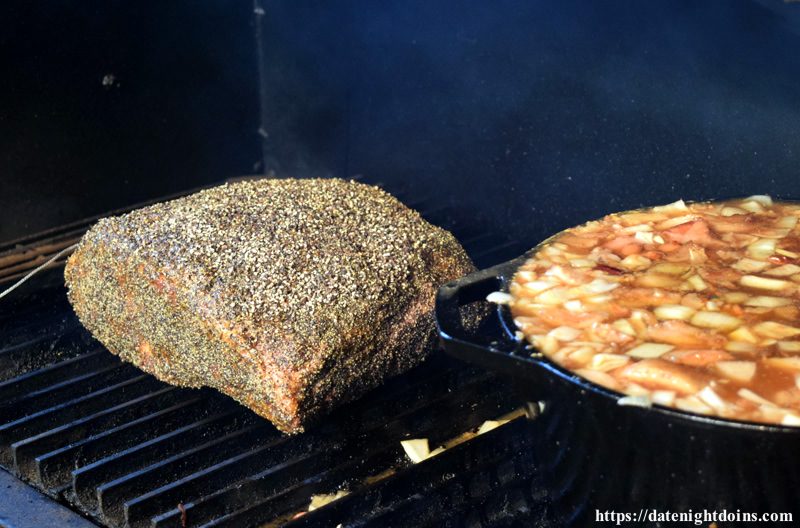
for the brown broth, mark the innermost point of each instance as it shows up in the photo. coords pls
(704, 286)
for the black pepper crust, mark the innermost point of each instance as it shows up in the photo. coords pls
(291, 296)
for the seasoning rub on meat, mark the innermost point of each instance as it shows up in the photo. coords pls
(694, 306)
(291, 296)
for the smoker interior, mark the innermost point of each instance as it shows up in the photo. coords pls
(124, 449)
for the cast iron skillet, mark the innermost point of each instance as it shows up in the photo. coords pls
(596, 455)
(514, 357)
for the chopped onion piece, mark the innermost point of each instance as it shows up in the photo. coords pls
(599, 299)
(680, 205)
(582, 355)
(762, 248)
(657, 280)
(644, 237)
(715, 320)
(775, 233)
(635, 401)
(663, 397)
(624, 326)
(565, 333)
(638, 228)
(735, 297)
(791, 419)
(712, 399)
(785, 253)
(499, 298)
(606, 362)
(747, 394)
(670, 268)
(547, 344)
(747, 265)
(692, 404)
(788, 222)
(768, 301)
(752, 206)
(783, 271)
(786, 363)
(635, 262)
(762, 283)
(791, 347)
(740, 347)
(763, 199)
(676, 221)
(775, 330)
(555, 296)
(741, 371)
(318, 501)
(600, 286)
(525, 276)
(540, 285)
(731, 211)
(574, 305)
(416, 449)
(599, 378)
(582, 263)
(697, 255)
(649, 350)
(674, 311)
(697, 283)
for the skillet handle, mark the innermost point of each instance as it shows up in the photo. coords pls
(456, 294)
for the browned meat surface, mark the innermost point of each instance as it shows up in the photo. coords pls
(291, 296)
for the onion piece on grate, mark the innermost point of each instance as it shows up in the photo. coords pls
(416, 449)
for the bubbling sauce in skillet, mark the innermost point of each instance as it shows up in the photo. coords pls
(693, 306)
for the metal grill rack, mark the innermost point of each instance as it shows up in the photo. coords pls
(124, 449)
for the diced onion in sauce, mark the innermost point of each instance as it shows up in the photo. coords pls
(715, 320)
(741, 371)
(763, 283)
(692, 306)
(674, 311)
(649, 350)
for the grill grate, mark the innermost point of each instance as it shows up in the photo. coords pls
(128, 450)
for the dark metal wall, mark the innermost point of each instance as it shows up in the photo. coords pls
(106, 103)
(532, 115)
(538, 115)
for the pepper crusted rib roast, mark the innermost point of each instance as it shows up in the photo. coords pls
(291, 296)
